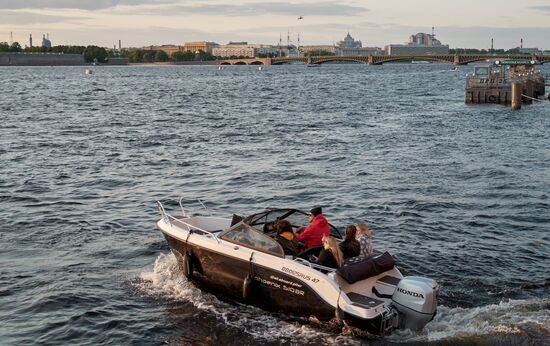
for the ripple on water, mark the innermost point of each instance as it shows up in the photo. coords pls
(458, 193)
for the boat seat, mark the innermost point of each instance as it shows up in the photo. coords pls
(314, 250)
(389, 280)
(363, 301)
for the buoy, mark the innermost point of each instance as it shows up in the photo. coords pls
(88, 71)
(260, 68)
(247, 287)
(187, 265)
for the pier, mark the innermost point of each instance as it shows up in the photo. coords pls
(509, 82)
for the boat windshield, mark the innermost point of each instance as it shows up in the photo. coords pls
(245, 235)
(266, 220)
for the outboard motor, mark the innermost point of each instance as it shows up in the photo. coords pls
(415, 298)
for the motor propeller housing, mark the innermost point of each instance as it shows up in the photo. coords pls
(415, 298)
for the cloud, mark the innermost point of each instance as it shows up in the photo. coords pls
(26, 18)
(545, 9)
(73, 4)
(329, 8)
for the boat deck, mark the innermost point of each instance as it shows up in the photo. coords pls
(363, 301)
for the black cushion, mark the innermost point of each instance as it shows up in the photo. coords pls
(367, 268)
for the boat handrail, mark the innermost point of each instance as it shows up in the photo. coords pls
(206, 209)
(181, 206)
(168, 219)
(192, 227)
(163, 213)
(184, 213)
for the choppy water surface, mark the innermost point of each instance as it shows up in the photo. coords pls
(457, 193)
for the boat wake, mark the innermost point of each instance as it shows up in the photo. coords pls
(164, 280)
(509, 322)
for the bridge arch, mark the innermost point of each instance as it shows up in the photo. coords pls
(435, 58)
(240, 63)
(283, 61)
(358, 60)
(256, 63)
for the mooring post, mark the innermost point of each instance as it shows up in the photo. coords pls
(516, 95)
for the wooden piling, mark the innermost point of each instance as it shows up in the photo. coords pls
(516, 95)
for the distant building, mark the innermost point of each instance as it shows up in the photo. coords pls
(529, 51)
(546, 52)
(243, 49)
(46, 43)
(363, 51)
(349, 46)
(319, 48)
(423, 39)
(203, 46)
(167, 48)
(411, 49)
(419, 44)
(349, 43)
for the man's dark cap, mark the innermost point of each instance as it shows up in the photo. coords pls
(316, 211)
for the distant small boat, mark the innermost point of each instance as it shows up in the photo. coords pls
(313, 65)
(88, 71)
(220, 68)
(454, 69)
(260, 68)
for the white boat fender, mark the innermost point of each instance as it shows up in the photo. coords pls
(187, 265)
(187, 260)
(248, 282)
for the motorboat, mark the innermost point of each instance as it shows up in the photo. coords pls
(313, 65)
(239, 258)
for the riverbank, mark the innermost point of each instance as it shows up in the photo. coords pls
(51, 59)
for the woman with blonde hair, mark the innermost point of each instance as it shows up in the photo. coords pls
(364, 236)
(331, 255)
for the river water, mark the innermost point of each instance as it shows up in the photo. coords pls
(457, 193)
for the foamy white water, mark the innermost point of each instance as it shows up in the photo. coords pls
(516, 318)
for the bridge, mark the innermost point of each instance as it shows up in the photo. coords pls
(456, 59)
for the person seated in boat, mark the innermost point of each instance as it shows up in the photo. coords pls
(331, 255)
(364, 236)
(350, 246)
(286, 237)
(318, 227)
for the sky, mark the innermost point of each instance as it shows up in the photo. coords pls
(138, 23)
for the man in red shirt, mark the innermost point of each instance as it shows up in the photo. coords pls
(312, 234)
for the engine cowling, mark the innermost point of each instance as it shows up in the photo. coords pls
(415, 298)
